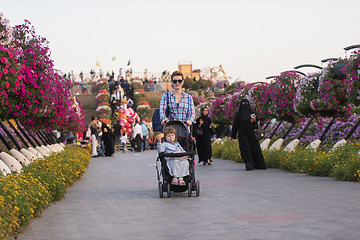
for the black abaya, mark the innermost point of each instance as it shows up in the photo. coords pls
(249, 147)
(108, 139)
(203, 142)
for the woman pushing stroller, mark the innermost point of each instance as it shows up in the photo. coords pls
(176, 104)
(178, 166)
(177, 108)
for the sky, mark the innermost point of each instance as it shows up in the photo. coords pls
(250, 39)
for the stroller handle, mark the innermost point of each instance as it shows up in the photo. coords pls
(179, 154)
(169, 122)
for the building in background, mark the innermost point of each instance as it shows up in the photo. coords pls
(186, 69)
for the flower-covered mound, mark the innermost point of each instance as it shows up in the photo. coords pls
(26, 195)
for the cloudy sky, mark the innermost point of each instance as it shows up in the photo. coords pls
(251, 39)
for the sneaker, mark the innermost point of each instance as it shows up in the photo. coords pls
(175, 181)
(181, 182)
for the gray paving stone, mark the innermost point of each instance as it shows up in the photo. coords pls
(117, 198)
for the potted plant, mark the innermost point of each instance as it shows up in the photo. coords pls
(352, 73)
(333, 90)
(282, 96)
(258, 97)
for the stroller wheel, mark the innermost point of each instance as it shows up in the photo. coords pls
(189, 189)
(161, 190)
(197, 188)
(169, 190)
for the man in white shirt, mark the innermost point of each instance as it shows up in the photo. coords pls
(137, 136)
(119, 95)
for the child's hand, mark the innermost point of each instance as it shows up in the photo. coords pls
(159, 137)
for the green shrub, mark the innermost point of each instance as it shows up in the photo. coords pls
(227, 149)
(342, 164)
(26, 195)
(347, 165)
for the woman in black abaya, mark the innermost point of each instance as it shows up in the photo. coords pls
(202, 133)
(108, 138)
(243, 126)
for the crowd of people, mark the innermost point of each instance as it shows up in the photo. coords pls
(175, 105)
(106, 140)
(148, 84)
(126, 131)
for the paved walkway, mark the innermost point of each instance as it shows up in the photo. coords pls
(117, 198)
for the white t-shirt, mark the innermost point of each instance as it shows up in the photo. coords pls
(123, 139)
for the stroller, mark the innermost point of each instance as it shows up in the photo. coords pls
(163, 175)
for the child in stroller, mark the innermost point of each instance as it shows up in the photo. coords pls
(177, 165)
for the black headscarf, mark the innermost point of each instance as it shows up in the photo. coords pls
(242, 121)
(245, 110)
(202, 112)
(206, 125)
(206, 118)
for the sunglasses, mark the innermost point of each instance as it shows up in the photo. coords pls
(177, 81)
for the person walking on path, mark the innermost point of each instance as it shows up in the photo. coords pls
(145, 132)
(117, 133)
(243, 126)
(113, 103)
(108, 139)
(137, 136)
(202, 133)
(119, 95)
(94, 136)
(123, 140)
(180, 104)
